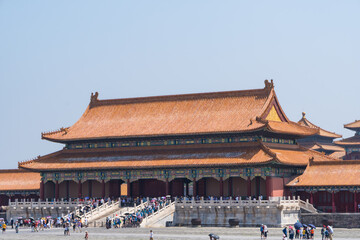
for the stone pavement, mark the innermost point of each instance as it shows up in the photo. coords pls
(167, 234)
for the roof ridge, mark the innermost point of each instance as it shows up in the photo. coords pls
(336, 162)
(94, 101)
(314, 126)
(268, 150)
(12, 170)
(62, 129)
(318, 153)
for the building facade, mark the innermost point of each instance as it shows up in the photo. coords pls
(331, 186)
(237, 143)
(352, 144)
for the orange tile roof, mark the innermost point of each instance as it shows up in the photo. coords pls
(204, 113)
(73, 159)
(299, 156)
(330, 173)
(16, 180)
(305, 122)
(254, 154)
(338, 155)
(290, 128)
(323, 146)
(353, 126)
(355, 140)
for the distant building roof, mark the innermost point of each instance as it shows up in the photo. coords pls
(353, 126)
(18, 179)
(351, 141)
(324, 147)
(203, 113)
(329, 173)
(324, 133)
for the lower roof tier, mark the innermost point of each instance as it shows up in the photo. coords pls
(19, 180)
(329, 173)
(256, 153)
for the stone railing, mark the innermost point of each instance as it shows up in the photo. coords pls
(32, 204)
(230, 202)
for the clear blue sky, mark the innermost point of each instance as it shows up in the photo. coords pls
(53, 54)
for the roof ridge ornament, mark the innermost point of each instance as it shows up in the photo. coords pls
(303, 114)
(94, 98)
(269, 85)
(311, 161)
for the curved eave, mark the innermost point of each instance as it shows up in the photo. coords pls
(322, 132)
(151, 167)
(306, 131)
(347, 143)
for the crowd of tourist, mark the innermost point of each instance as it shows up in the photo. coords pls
(300, 231)
(134, 219)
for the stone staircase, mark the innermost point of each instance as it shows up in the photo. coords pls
(102, 211)
(156, 219)
(307, 207)
(100, 220)
(159, 218)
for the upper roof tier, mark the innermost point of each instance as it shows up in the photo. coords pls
(202, 113)
(353, 126)
(305, 122)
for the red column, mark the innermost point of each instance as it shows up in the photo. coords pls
(221, 187)
(103, 188)
(42, 192)
(249, 186)
(269, 187)
(333, 201)
(194, 187)
(128, 188)
(167, 190)
(119, 188)
(187, 189)
(355, 202)
(57, 190)
(67, 189)
(230, 190)
(311, 198)
(79, 189)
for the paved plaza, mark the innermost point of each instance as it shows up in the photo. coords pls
(167, 234)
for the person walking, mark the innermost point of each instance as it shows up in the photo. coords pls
(331, 232)
(151, 235)
(86, 235)
(17, 227)
(3, 227)
(285, 232)
(291, 233)
(262, 231)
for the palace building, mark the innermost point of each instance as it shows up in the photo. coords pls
(237, 143)
(352, 144)
(322, 141)
(333, 186)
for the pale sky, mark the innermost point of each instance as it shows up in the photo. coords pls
(53, 54)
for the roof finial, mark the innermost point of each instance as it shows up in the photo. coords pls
(303, 114)
(269, 85)
(94, 98)
(311, 161)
